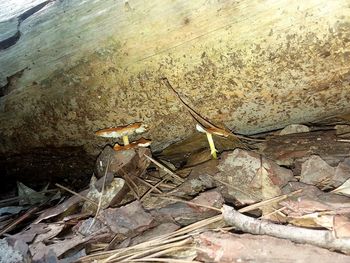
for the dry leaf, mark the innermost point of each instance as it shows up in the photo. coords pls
(343, 189)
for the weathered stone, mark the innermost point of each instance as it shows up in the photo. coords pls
(252, 65)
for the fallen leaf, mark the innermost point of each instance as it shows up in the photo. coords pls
(343, 189)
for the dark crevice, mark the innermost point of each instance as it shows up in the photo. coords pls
(12, 40)
(11, 82)
(40, 166)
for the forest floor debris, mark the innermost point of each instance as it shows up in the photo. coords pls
(291, 190)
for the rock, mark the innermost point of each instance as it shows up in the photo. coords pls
(217, 247)
(317, 172)
(128, 219)
(185, 214)
(101, 68)
(245, 176)
(294, 128)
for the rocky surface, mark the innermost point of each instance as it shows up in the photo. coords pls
(79, 66)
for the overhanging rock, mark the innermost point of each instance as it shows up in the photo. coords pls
(79, 66)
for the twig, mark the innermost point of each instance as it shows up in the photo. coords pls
(153, 187)
(321, 238)
(19, 220)
(277, 211)
(129, 181)
(180, 234)
(101, 195)
(167, 260)
(268, 201)
(77, 194)
(234, 188)
(131, 188)
(197, 117)
(149, 184)
(165, 169)
(189, 203)
(343, 140)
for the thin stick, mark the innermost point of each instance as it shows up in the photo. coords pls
(170, 260)
(343, 140)
(267, 202)
(321, 238)
(19, 220)
(177, 235)
(100, 199)
(77, 194)
(190, 203)
(165, 169)
(149, 184)
(154, 187)
(277, 211)
(197, 117)
(127, 178)
(233, 187)
(155, 249)
(131, 188)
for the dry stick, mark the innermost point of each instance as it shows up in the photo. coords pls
(175, 247)
(77, 194)
(145, 248)
(164, 185)
(132, 189)
(277, 211)
(199, 118)
(154, 187)
(166, 238)
(141, 180)
(189, 203)
(155, 249)
(268, 201)
(165, 169)
(100, 199)
(19, 220)
(128, 184)
(242, 210)
(321, 238)
(166, 260)
(234, 188)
